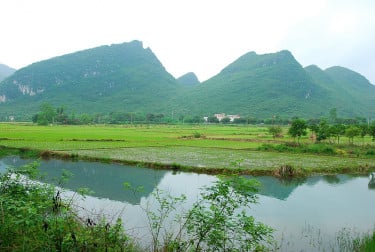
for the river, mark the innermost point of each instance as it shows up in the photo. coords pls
(308, 214)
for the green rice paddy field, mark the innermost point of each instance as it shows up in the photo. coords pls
(202, 148)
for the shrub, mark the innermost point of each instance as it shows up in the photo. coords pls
(285, 171)
(197, 135)
(320, 149)
(216, 222)
(34, 217)
(370, 152)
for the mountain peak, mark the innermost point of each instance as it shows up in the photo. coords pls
(347, 75)
(252, 60)
(5, 71)
(129, 77)
(188, 79)
(98, 79)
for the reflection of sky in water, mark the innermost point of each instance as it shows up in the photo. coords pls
(3, 166)
(319, 206)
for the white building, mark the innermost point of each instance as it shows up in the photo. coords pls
(222, 115)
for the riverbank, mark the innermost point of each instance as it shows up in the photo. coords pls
(283, 204)
(193, 148)
(254, 163)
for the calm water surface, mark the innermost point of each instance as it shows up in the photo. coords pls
(307, 213)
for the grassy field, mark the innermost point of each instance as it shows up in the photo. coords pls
(202, 148)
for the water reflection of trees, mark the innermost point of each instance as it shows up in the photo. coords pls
(331, 179)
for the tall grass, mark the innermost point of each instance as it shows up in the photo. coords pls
(368, 243)
(34, 217)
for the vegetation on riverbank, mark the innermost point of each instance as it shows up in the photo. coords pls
(211, 149)
(35, 217)
(39, 217)
(367, 243)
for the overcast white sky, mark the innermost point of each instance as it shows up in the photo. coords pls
(202, 36)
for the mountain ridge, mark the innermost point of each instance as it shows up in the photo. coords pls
(128, 77)
(188, 79)
(5, 71)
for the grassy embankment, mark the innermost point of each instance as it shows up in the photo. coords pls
(199, 148)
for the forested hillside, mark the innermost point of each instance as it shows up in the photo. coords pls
(108, 78)
(129, 78)
(259, 86)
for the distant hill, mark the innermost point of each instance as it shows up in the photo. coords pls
(5, 71)
(260, 86)
(189, 79)
(348, 91)
(107, 78)
(127, 77)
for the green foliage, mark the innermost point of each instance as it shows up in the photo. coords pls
(317, 148)
(212, 119)
(367, 243)
(333, 116)
(225, 120)
(47, 114)
(189, 79)
(275, 130)
(298, 128)
(127, 77)
(161, 142)
(194, 119)
(286, 171)
(349, 240)
(34, 217)
(337, 130)
(102, 79)
(351, 132)
(218, 221)
(158, 220)
(197, 134)
(323, 131)
(371, 131)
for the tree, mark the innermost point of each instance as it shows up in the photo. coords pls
(298, 129)
(352, 132)
(240, 120)
(337, 131)
(225, 120)
(219, 221)
(61, 116)
(46, 115)
(363, 131)
(323, 131)
(275, 131)
(150, 117)
(194, 119)
(371, 131)
(85, 119)
(212, 119)
(333, 116)
(313, 125)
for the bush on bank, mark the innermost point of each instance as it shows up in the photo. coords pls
(34, 217)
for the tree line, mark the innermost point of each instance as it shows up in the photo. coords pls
(59, 115)
(322, 130)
